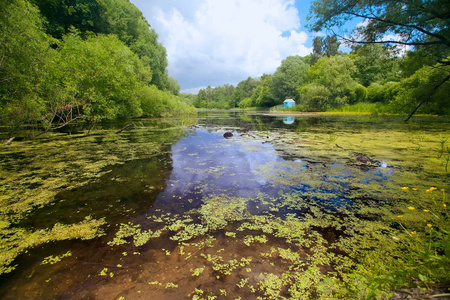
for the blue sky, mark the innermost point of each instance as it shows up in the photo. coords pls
(213, 42)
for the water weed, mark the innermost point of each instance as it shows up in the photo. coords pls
(284, 214)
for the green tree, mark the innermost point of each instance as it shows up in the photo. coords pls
(201, 99)
(158, 103)
(245, 89)
(290, 75)
(61, 15)
(24, 56)
(327, 46)
(375, 63)
(246, 103)
(331, 84)
(173, 86)
(416, 23)
(126, 20)
(94, 79)
(421, 24)
(261, 94)
(428, 83)
(316, 97)
(119, 17)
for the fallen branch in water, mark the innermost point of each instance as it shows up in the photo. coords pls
(123, 128)
(9, 141)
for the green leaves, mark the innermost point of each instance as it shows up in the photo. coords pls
(331, 85)
(85, 74)
(292, 72)
(24, 53)
(99, 76)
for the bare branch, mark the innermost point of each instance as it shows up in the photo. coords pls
(66, 123)
(385, 42)
(428, 97)
(422, 30)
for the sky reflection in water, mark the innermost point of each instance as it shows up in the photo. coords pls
(206, 164)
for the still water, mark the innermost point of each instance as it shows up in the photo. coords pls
(187, 213)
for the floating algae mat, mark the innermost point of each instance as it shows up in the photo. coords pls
(319, 207)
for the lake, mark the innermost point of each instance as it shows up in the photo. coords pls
(286, 207)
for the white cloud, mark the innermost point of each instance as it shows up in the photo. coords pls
(213, 42)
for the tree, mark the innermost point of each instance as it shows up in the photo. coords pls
(327, 46)
(423, 25)
(375, 63)
(428, 83)
(127, 22)
(245, 89)
(291, 74)
(414, 23)
(24, 56)
(331, 84)
(61, 15)
(261, 95)
(119, 17)
(94, 79)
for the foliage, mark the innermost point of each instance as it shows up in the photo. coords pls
(327, 46)
(245, 89)
(118, 17)
(60, 16)
(105, 56)
(246, 103)
(262, 95)
(97, 76)
(24, 55)
(221, 97)
(291, 74)
(128, 23)
(414, 89)
(331, 85)
(375, 64)
(423, 23)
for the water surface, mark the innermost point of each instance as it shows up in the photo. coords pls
(188, 213)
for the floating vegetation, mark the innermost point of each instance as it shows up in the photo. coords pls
(21, 239)
(55, 259)
(276, 214)
(302, 258)
(33, 173)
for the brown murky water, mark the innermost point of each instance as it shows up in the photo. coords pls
(188, 214)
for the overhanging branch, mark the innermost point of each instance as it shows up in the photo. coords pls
(428, 97)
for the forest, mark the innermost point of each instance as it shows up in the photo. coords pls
(91, 60)
(372, 77)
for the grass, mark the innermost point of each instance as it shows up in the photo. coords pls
(358, 108)
(368, 108)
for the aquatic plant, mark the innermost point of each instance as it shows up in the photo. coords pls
(55, 259)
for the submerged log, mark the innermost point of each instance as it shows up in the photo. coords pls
(9, 141)
(123, 128)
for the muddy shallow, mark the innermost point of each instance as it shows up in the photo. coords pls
(177, 211)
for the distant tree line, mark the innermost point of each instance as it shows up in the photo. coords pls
(328, 79)
(68, 60)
